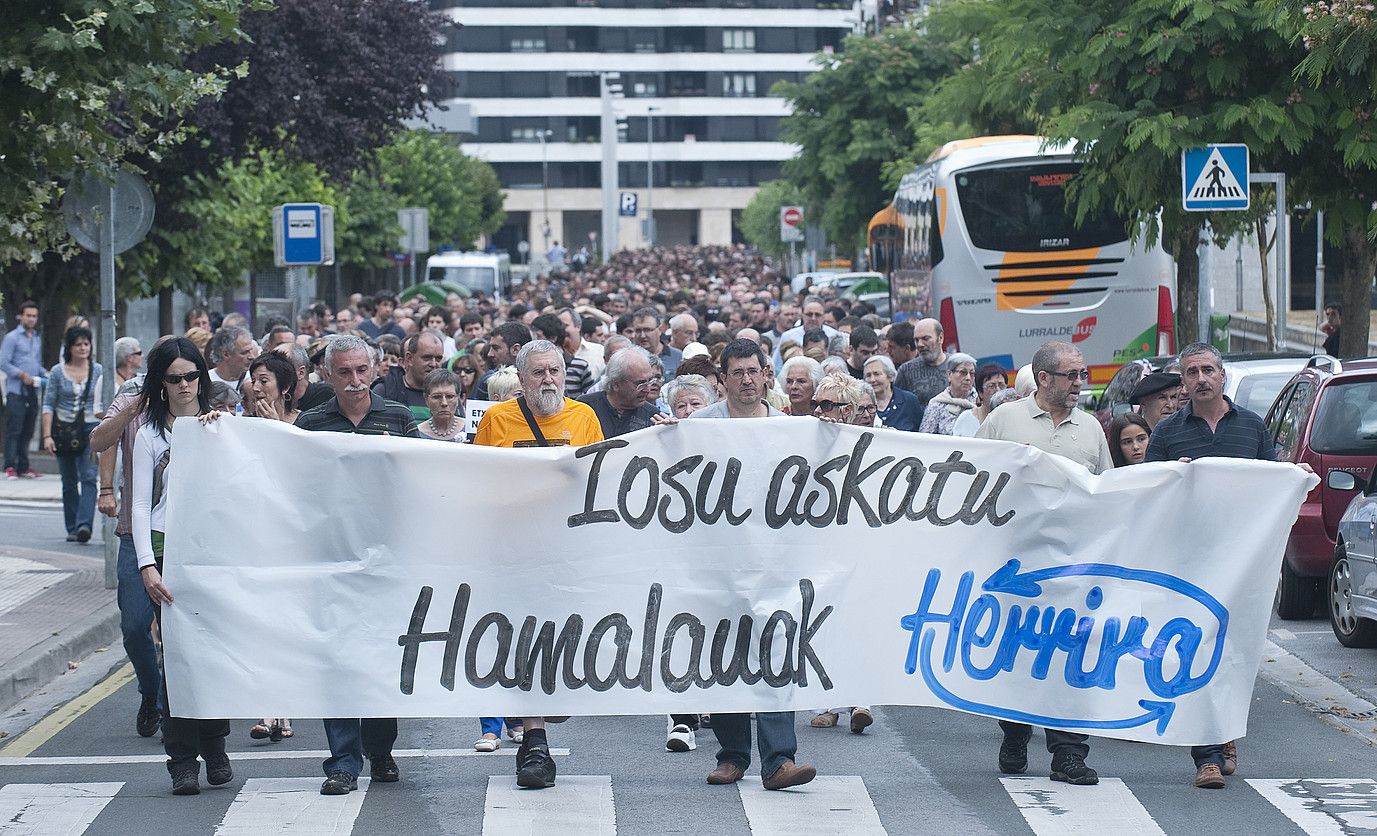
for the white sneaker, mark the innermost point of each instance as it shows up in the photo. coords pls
(515, 736)
(488, 744)
(681, 739)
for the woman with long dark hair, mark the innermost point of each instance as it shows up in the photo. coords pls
(1128, 439)
(71, 407)
(177, 387)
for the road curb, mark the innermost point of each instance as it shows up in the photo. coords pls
(40, 665)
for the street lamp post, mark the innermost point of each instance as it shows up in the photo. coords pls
(650, 176)
(545, 186)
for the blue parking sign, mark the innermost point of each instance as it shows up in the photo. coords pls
(1215, 178)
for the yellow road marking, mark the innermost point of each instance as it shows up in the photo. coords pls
(47, 728)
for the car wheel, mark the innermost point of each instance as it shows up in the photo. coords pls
(1349, 629)
(1296, 595)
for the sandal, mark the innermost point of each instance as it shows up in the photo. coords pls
(260, 731)
(488, 744)
(515, 733)
(825, 720)
(286, 729)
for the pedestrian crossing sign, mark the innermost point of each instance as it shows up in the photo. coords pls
(1215, 178)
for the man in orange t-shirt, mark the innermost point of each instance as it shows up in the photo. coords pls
(540, 417)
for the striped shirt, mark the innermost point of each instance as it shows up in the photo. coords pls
(1240, 434)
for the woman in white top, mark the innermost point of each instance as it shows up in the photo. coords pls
(177, 386)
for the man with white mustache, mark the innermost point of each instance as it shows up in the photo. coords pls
(540, 417)
(355, 408)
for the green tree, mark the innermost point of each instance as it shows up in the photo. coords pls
(851, 118)
(760, 218)
(1336, 87)
(1131, 84)
(89, 84)
(233, 207)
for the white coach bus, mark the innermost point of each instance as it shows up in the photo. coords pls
(980, 238)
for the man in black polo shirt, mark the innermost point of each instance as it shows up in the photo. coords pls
(357, 409)
(1209, 424)
(621, 407)
(405, 383)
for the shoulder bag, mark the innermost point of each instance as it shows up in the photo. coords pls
(70, 437)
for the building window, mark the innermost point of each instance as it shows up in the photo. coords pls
(528, 44)
(738, 85)
(738, 40)
(527, 134)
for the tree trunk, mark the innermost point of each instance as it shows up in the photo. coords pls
(1264, 248)
(1360, 262)
(1184, 246)
(165, 312)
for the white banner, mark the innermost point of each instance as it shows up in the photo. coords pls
(760, 565)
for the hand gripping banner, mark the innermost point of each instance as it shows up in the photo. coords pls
(713, 566)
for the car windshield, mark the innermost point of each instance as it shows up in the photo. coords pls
(1257, 391)
(1346, 421)
(480, 279)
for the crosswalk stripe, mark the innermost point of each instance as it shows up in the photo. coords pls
(53, 809)
(291, 805)
(832, 804)
(1051, 807)
(577, 805)
(1323, 806)
(266, 754)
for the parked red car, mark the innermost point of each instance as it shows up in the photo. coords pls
(1325, 416)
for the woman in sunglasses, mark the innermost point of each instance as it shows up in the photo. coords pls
(836, 399)
(958, 398)
(177, 387)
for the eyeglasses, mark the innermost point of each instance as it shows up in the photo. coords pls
(189, 377)
(741, 374)
(136, 354)
(647, 383)
(641, 331)
(1073, 375)
(867, 408)
(828, 406)
(468, 371)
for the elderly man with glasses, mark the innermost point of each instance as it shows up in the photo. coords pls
(622, 406)
(1051, 422)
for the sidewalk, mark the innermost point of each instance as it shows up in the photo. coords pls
(54, 607)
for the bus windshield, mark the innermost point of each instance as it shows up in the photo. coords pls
(479, 279)
(1023, 209)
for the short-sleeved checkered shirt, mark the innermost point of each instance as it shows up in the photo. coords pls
(384, 418)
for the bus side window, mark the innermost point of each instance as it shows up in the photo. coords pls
(934, 234)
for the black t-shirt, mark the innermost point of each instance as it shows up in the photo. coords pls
(315, 395)
(1331, 343)
(615, 422)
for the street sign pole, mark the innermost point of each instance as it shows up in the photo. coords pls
(106, 357)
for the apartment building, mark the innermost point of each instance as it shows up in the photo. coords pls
(697, 128)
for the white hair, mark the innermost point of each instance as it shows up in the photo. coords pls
(886, 364)
(535, 347)
(813, 367)
(957, 359)
(346, 343)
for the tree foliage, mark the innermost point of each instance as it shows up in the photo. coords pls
(88, 84)
(760, 218)
(851, 118)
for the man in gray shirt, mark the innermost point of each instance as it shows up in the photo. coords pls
(1051, 422)
(926, 374)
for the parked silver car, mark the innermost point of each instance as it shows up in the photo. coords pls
(1353, 576)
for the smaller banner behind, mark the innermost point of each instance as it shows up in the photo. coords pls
(760, 565)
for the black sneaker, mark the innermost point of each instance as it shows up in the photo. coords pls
(148, 719)
(1013, 754)
(218, 769)
(1072, 770)
(186, 778)
(83, 534)
(535, 769)
(339, 783)
(383, 769)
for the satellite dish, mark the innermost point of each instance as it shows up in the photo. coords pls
(84, 204)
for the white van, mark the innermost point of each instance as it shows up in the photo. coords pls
(489, 274)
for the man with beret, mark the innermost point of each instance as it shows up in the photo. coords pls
(1156, 396)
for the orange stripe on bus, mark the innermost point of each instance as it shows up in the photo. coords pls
(1009, 268)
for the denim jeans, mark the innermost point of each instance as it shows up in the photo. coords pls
(1213, 753)
(778, 740)
(493, 725)
(78, 488)
(350, 739)
(21, 410)
(136, 621)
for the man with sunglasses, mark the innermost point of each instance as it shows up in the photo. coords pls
(1051, 422)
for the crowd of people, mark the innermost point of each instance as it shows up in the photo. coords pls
(650, 338)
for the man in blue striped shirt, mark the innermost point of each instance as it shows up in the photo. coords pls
(22, 362)
(1209, 425)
